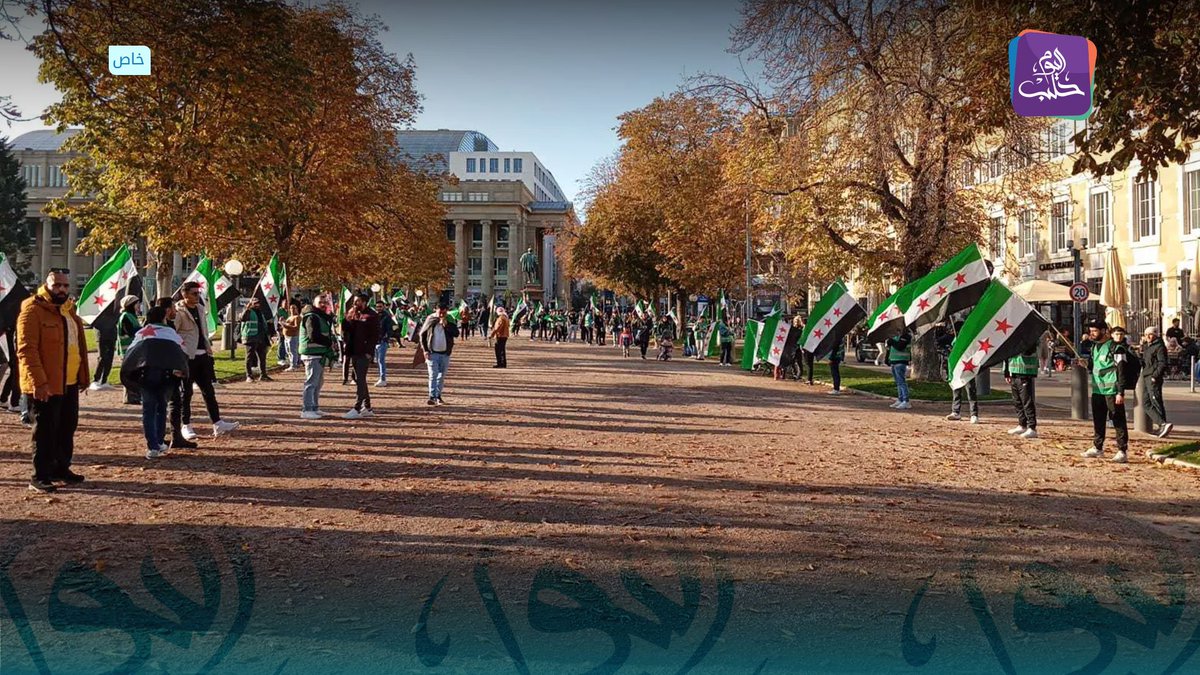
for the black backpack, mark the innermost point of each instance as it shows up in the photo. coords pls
(1131, 370)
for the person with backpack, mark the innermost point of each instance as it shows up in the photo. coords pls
(1021, 372)
(899, 355)
(1105, 363)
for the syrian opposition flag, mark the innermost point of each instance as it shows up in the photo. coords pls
(216, 291)
(12, 293)
(750, 344)
(834, 315)
(1001, 326)
(712, 342)
(152, 332)
(640, 310)
(956, 285)
(271, 287)
(520, 311)
(773, 335)
(457, 311)
(346, 297)
(888, 319)
(595, 303)
(107, 285)
(723, 307)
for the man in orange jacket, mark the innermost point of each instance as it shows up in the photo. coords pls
(52, 352)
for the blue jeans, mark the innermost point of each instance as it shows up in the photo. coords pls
(437, 365)
(282, 348)
(154, 412)
(293, 348)
(900, 373)
(381, 359)
(314, 377)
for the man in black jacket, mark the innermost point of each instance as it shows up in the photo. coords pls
(360, 331)
(1154, 365)
(155, 364)
(437, 341)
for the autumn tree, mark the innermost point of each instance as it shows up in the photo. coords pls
(16, 242)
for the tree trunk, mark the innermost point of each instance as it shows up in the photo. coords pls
(162, 274)
(926, 364)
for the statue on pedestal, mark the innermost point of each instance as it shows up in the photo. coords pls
(529, 265)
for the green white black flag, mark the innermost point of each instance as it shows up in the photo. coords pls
(954, 286)
(106, 285)
(834, 315)
(1001, 326)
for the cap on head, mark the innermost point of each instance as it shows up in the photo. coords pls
(1151, 330)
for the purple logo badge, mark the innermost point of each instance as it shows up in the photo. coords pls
(1051, 75)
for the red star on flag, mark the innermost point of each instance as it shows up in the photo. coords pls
(884, 313)
(112, 285)
(828, 323)
(968, 366)
(818, 333)
(1003, 326)
(985, 345)
(960, 278)
(777, 351)
(220, 287)
(2, 289)
(922, 304)
(837, 312)
(941, 291)
(267, 286)
(148, 331)
(124, 275)
(98, 300)
(272, 299)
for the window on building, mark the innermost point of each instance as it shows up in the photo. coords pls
(1060, 225)
(502, 237)
(450, 231)
(470, 165)
(1145, 209)
(452, 196)
(996, 237)
(494, 165)
(517, 161)
(477, 196)
(1191, 201)
(499, 268)
(1028, 235)
(58, 229)
(477, 235)
(507, 165)
(33, 175)
(1145, 302)
(1058, 138)
(33, 226)
(1100, 220)
(475, 267)
(994, 165)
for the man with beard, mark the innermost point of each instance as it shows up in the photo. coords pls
(192, 328)
(360, 330)
(52, 353)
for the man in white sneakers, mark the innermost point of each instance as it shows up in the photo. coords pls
(196, 345)
(1021, 372)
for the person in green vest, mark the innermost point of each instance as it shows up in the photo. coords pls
(1108, 392)
(316, 352)
(128, 325)
(725, 339)
(257, 338)
(1020, 372)
(899, 355)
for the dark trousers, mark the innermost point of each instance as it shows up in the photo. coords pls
(501, 352)
(175, 397)
(11, 394)
(1024, 400)
(1154, 401)
(727, 352)
(835, 371)
(970, 394)
(599, 336)
(1104, 408)
(807, 360)
(108, 348)
(54, 423)
(347, 371)
(201, 374)
(256, 355)
(361, 362)
(643, 346)
(154, 410)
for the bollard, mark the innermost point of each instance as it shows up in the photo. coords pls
(983, 382)
(1192, 374)
(1141, 421)
(1079, 393)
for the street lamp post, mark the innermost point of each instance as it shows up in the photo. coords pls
(233, 268)
(746, 307)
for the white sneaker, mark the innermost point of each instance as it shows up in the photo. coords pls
(366, 412)
(164, 447)
(223, 427)
(1092, 453)
(835, 392)
(1120, 457)
(904, 406)
(1029, 433)
(974, 419)
(380, 383)
(309, 415)
(953, 417)
(894, 404)
(281, 362)
(188, 433)
(352, 415)
(155, 454)
(1017, 431)
(95, 386)
(322, 413)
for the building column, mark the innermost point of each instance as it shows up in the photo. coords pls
(46, 265)
(72, 242)
(515, 280)
(489, 255)
(461, 245)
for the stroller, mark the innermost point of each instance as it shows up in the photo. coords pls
(665, 349)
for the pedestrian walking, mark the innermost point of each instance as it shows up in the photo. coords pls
(154, 365)
(898, 356)
(105, 327)
(316, 353)
(192, 328)
(437, 341)
(387, 326)
(643, 336)
(626, 340)
(360, 332)
(1154, 367)
(499, 334)
(53, 363)
(128, 325)
(1021, 372)
(1104, 364)
(257, 340)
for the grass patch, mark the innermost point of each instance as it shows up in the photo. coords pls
(877, 382)
(224, 365)
(1188, 451)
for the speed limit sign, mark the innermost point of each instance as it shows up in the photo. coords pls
(1080, 292)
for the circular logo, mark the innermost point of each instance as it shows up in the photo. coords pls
(1080, 292)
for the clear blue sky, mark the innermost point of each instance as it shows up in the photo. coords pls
(544, 77)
